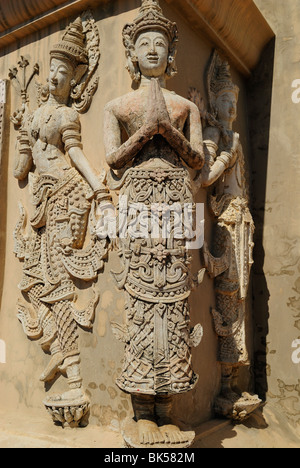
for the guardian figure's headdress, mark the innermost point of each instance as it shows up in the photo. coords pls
(150, 17)
(80, 45)
(218, 80)
(72, 44)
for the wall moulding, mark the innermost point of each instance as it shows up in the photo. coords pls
(19, 19)
(237, 28)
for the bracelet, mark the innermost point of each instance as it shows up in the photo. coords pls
(225, 158)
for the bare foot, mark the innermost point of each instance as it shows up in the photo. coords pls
(173, 435)
(230, 395)
(149, 433)
(71, 397)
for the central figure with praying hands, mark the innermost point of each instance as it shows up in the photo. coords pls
(152, 138)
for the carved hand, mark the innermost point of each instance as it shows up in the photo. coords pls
(234, 147)
(157, 117)
(235, 142)
(164, 122)
(151, 122)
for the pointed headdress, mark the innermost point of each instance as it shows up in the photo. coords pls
(72, 44)
(218, 79)
(150, 17)
(80, 45)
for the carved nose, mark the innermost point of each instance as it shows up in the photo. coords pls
(152, 50)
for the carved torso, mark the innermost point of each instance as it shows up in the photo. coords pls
(232, 181)
(131, 109)
(46, 138)
(155, 273)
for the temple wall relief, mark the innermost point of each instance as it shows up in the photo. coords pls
(60, 171)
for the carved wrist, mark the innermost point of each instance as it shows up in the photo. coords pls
(24, 145)
(210, 151)
(211, 145)
(102, 194)
(225, 158)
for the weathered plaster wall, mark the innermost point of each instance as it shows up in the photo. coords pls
(278, 288)
(101, 354)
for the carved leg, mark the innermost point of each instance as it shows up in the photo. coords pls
(226, 383)
(56, 360)
(71, 406)
(149, 433)
(234, 405)
(170, 431)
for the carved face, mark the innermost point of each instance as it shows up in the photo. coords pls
(226, 106)
(60, 76)
(152, 50)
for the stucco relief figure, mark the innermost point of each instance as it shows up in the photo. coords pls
(163, 137)
(224, 174)
(61, 245)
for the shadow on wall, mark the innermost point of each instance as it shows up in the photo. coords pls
(259, 90)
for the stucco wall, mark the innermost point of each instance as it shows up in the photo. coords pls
(278, 283)
(101, 354)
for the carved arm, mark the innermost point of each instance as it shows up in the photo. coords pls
(118, 154)
(23, 156)
(190, 150)
(215, 165)
(85, 168)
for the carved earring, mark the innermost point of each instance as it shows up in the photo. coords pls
(73, 83)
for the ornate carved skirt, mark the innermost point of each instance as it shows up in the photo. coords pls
(157, 279)
(53, 256)
(234, 235)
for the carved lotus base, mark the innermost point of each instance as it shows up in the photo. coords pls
(72, 413)
(131, 436)
(237, 408)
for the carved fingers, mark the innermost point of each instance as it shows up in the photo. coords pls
(235, 141)
(157, 117)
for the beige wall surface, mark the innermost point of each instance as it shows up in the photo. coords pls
(280, 255)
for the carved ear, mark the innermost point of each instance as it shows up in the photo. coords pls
(79, 72)
(133, 68)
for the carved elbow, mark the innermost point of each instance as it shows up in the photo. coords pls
(112, 162)
(20, 175)
(199, 162)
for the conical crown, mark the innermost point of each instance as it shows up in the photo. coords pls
(219, 76)
(72, 44)
(150, 17)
